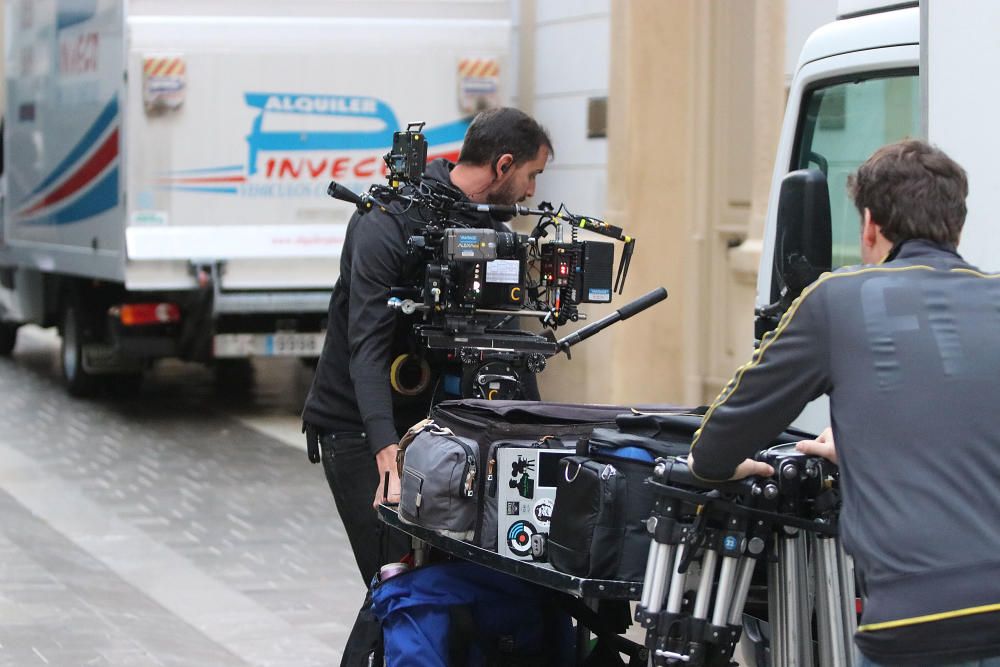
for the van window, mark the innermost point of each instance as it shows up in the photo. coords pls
(843, 123)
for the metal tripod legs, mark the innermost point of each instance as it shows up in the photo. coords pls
(790, 607)
(836, 618)
(707, 632)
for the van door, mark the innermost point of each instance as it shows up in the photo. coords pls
(840, 109)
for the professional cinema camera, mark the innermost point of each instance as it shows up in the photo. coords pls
(475, 280)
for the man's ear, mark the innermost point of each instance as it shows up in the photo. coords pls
(504, 163)
(869, 230)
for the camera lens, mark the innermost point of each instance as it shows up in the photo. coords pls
(506, 245)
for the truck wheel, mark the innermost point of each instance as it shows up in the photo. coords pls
(8, 337)
(78, 381)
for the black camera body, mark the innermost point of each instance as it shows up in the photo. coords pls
(472, 282)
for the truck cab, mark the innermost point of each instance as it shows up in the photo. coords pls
(856, 88)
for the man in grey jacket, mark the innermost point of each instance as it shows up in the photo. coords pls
(908, 349)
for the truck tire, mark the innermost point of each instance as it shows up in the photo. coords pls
(8, 337)
(78, 381)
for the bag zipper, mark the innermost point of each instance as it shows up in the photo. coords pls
(469, 473)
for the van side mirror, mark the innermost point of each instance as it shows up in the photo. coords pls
(802, 243)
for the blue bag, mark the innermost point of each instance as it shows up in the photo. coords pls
(459, 613)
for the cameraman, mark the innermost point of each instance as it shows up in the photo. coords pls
(353, 409)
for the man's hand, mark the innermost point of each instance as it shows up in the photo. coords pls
(748, 468)
(752, 468)
(821, 446)
(386, 462)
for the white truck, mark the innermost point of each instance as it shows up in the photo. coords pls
(882, 72)
(165, 163)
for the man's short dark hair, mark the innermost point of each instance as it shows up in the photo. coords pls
(496, 132)
(914, 191)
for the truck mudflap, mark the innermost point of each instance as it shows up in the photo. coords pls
(108, 359)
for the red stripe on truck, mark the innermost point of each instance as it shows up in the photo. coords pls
(100, 159)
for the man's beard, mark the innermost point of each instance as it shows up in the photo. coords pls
(502, 197)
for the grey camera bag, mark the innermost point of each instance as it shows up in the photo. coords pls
(440, 483)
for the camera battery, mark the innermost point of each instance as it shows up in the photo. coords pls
(596, 270)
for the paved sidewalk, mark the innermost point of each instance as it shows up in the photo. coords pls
(157, 532)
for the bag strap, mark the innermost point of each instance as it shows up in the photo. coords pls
(462, 629)
(463, 634)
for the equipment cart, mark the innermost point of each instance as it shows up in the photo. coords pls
(705, 547)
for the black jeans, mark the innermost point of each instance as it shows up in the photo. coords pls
(352, 475)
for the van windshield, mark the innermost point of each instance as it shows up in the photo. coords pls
(843, 123)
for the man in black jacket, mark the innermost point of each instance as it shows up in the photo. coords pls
(908, 349)
(352, 406)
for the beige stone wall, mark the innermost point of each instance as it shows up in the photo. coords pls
(695, 103)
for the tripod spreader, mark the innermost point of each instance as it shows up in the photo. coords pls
(623, 313)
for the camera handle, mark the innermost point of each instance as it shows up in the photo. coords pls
(623, 313)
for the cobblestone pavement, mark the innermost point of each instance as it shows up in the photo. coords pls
(162, 530)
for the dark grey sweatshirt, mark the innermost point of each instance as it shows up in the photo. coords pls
(909, 353)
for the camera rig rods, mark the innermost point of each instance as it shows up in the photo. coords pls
(628, 310)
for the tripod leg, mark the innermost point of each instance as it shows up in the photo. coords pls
(805, 643)
(777, 599)
(795, 635)
(742, 589)
(724, 595)
(662, 559)
(848, 596)
(650, 576)
(703, 597)
(829, 604)
(675, 595)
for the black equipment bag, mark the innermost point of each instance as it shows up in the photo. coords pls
(597, 529)
(590, 522)
(516, 423)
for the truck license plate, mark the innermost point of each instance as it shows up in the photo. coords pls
(268, 345)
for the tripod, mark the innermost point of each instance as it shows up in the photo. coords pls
(707, 543)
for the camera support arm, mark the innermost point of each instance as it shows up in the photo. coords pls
(628, 310)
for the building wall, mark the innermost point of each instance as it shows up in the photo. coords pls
(695, 97)
(562, 51)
